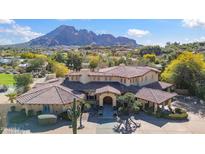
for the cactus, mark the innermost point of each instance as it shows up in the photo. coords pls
(73, 114)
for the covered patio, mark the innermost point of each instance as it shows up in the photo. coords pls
(152, 98)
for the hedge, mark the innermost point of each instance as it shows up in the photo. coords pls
(64, 115)
(30, 113)
(175, 116)
(178, 116)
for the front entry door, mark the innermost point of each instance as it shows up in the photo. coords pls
(46, 108)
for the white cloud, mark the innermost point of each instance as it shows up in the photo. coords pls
(191, 23)
(137, 32)
(19, 33)
(6, 21)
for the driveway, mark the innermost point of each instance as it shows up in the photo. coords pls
(104, 125)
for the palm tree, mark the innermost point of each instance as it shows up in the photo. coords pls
(73, 114)
(12, 97)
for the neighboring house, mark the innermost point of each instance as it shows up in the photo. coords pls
(102, 86)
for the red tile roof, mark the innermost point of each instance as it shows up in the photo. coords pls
(159, 85)
(107, 89)
(49, 94)
(153, 95)
(121, 71)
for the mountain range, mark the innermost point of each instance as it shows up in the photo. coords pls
(69, 36)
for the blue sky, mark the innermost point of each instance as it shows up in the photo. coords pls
(147, 32)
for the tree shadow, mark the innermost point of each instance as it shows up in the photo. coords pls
(156, 121)
(191, 104)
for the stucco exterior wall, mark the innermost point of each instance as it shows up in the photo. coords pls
(103, 95)
(56, 109)
(148, 78)
(35, 108)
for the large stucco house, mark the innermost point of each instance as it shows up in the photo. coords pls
(100, 87)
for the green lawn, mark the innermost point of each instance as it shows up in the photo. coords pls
(7, 79)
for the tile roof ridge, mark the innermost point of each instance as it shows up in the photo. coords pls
(151, 90)
(35, 92)
(64, 89)
(57, 89)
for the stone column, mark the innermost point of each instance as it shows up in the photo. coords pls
(155, 108)
(143, 105)
(163, 106)
(100, 100)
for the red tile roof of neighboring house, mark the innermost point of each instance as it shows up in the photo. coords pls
(107, 89)
(121, 71)
(49, 94)
(153, 95)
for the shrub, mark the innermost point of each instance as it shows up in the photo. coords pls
(177, 116)
(87, 107)
(139, 104)
(47, 119)
(120, 110)
(30, 113)
(179, 110)
(38, 112)
(13, 108)
(64, 115)
(135, 109)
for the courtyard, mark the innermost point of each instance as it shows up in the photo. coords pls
(103, 125)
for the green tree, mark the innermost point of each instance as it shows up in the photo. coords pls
(59, 69)
(186, 71)
(150, 57)
(150, 50)
(128, 103)
(73, 114)
(59, 57)
(74, 60)
(23, 81)
(93, 62)
(12, 97)
(35, 65)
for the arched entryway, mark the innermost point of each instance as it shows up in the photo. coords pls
(107, 100)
